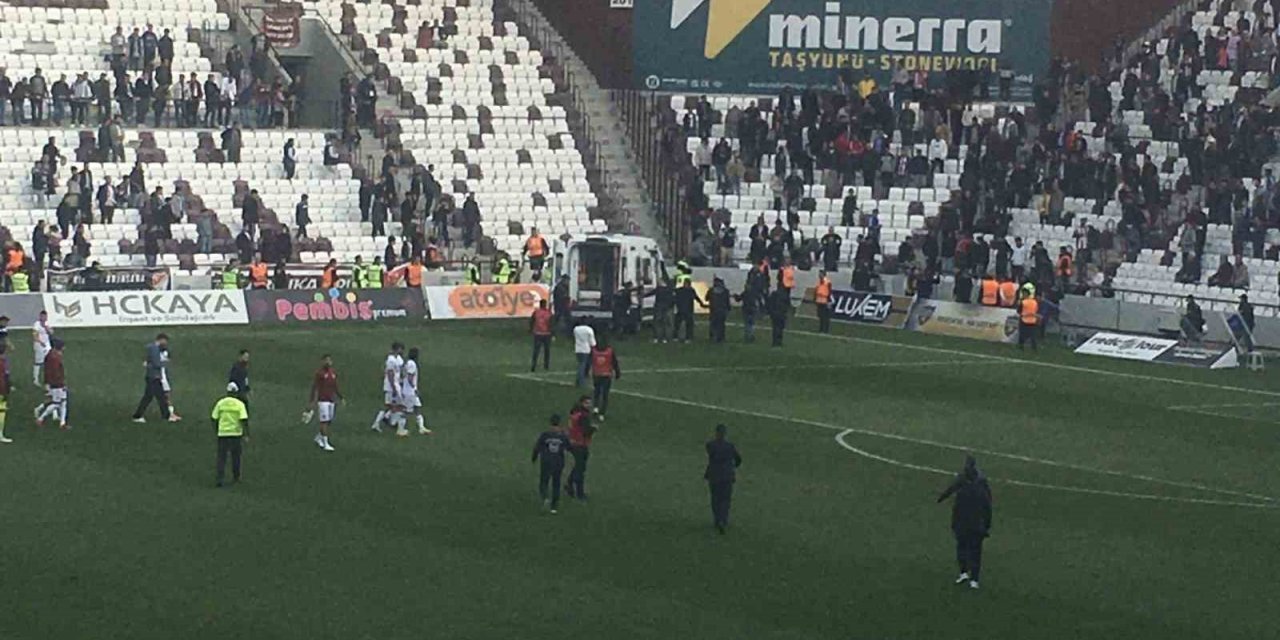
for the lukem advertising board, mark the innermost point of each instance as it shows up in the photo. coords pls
(484, 301)
(754, 46)
(869, 308)
(145, 308)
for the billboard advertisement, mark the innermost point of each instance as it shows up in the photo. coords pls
(993, 324)
(869, 308)
(351, 305)
(485, 301)
(755, 46)
(145, 308)
(1165, 350)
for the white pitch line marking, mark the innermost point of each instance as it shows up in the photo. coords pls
(1037, 363)
(920, 441)
(786, 367)
(1225, 405)
(840, 439)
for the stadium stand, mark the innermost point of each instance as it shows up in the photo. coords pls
(1160, 155)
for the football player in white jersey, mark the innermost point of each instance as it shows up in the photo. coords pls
(409, 396)
(392, 385)
(41, 339)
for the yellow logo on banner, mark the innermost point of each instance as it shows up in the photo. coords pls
(727, 19)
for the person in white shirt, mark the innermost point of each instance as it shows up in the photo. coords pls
(584, 338)
(41, 336)
(392, 385)
(1018, 259)
(226, 98)
(409, 397)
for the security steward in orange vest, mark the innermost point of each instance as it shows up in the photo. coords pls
(1008, 293)
(1028, 321)
(604, 370)
(329, 277)
(1064, 269)
(535, 249)
(257, 273)
(822, 301)
(990, 291)
(787, 276)
(540, 324)
(413, 273)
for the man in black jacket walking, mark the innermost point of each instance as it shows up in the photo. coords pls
(970, 519)
(722, 470)
(718, 299)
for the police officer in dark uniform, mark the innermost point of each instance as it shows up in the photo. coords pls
(779, 304)
(685, 297)
(551, 447)
(722, 470)
(718, 300)
(970, 519)
(753, 299)
(663, 301)
(560, 305)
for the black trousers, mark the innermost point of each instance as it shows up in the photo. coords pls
(721, 499)
(550, 476)
(228, 446)
(543, 344)
(578, 475)
(600, 398)
(717, 327)
(779, 325)
(969, 553)
(153, 391)
(1028, 333)
(685, 319)
(824, 318)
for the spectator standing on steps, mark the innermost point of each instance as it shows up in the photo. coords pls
(290, 160)
(970, 519)
(723, 461)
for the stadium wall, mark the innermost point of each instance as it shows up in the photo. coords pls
(1086, 30)
(600, 35)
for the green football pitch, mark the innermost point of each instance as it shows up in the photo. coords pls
(1131, 500)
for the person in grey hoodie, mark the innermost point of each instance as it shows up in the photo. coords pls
(970, 519)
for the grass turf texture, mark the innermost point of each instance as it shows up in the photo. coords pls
(115, 530)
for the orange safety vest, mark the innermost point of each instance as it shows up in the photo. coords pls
(990, 291)
(533, 246)
(542, 322)
(328, 278)
(822, 293)
(1008, 293)
(788, 277)
(414, 277)
(1064, 266)
(602, 362)
(258, 275)
(1029, 311)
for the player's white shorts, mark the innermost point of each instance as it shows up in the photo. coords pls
(58, 395)
(40, 354)
(389, 398)
(325, 411)
(410, 400)
(164, 381)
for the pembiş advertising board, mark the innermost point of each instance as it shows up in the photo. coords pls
(484, 301)
(869, 308)
(353, 305)
(146, 308)
(993, 324)
(754, 46)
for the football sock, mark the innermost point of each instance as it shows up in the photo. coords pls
(378, 419)
(48, 410)
(422, 422)
(35, 375)
(62, 413)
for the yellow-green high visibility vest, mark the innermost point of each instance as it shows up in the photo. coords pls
(358, 277)
(373, 276)
(21, 282)
(473, 274)
(230, 414)
(502, 275)
(230, 279)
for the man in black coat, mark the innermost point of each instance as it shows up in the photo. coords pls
(722, 470)
(779, 306)
(970, 519)
(718, 299)
(685, 298)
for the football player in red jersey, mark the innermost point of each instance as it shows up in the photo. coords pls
(324, 396)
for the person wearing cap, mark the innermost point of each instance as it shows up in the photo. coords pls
(551, 447)
(723, 461)
(231, 419)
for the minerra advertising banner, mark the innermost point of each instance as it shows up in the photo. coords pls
(994, 324)
(145, 308)
(755, 46)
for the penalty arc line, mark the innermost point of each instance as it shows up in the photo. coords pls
(840, 439)
(934, 443)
